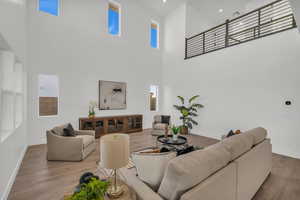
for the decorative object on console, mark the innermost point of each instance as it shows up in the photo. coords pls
(175, 132)
(112, 95)
(114, 150)
(92, 106)
(187, 113)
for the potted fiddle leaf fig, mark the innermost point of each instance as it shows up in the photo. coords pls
(175, 132)
(188, 111)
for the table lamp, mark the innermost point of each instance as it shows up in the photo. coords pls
(114, 154)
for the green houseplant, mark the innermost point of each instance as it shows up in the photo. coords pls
(188, 112)
(94, 190)
(175, 132)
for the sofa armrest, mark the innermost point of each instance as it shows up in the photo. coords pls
(85, 132)
(64, 148)
(142, 191)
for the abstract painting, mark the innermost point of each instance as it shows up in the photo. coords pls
(112, 95)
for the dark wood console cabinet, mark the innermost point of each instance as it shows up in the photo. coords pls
(112, 124)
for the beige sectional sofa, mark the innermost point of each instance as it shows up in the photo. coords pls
(233, 169)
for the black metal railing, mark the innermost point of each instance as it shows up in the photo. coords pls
(267, 20)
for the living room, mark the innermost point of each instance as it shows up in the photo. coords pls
(241, 87)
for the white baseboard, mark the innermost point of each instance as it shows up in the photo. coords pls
(13, 175)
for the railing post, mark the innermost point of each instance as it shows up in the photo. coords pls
(185, 56)
(294, 22)
(203, 45)
(227, 33)
(259, 21)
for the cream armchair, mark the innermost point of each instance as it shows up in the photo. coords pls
(160, 124)
(61, 148)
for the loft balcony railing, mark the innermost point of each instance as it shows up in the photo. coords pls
(267, 20)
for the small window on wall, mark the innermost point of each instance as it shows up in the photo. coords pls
(153, 98)
(49, 6)
(114, 16)
(48, 95)
(154, 35)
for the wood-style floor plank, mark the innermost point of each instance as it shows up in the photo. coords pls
(39, 179)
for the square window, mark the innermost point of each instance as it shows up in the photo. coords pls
(154, 35)
(113, 19)
(49, 6)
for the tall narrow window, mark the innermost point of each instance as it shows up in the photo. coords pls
(153, 98)
(49, 6)
(154, 35)
(48, 95)
(114, 16)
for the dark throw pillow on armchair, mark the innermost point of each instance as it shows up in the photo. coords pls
(69, 131)
(165, 119)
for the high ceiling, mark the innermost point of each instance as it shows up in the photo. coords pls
(161, 8)
(210, 8)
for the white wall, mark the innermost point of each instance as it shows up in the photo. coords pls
(76, 47)
(296, 9)
(12, 27)
(242, 87)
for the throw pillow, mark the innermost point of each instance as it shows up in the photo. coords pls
(69, 131)
(231, 133)
(165, 119)
(151, 166)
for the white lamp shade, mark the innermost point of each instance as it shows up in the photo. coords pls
(114, 151)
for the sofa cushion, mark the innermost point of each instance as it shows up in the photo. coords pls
(59, 130)
(151, 166)
(160, 126)
(259, 134)
(184, 172)
(238, 144)
(87, 140)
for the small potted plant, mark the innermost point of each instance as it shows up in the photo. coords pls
(95, 189)
(175, 132)
(92, 106)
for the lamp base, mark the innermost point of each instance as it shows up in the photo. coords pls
(115, 191)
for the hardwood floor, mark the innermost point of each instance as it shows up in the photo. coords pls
(39, 179)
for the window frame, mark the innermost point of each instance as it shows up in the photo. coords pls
(114, 3)
(58, 8)
(157, 98)
(38, 97)
(157, 34)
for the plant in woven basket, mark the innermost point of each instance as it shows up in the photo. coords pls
(188, 111)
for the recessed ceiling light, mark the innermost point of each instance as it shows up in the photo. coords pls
(164, 1)
(221, 10)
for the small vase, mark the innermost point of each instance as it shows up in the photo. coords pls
(175, 137)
